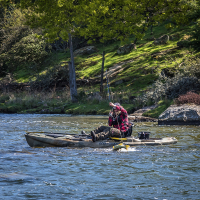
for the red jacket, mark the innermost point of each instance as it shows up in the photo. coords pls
(120, 122)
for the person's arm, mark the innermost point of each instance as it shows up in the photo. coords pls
(123, 111)
(110, 120)
(111, 104)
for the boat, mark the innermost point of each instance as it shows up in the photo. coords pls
(47, 139)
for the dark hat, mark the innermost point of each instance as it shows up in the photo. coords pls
(116, 104)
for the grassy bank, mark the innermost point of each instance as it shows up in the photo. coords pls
(138, 70)
(53, 104)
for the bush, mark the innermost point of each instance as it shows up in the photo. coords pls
(29, 50)
(168, 88)
(4, 98)
(55, 77)
(189, 97)
(162, 106)
(190, 67)
(196, 31)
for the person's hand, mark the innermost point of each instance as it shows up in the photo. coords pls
(110, 114)
(111, 104)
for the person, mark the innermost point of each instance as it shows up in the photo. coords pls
(118, 124)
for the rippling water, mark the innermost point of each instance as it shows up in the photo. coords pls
(157, 172)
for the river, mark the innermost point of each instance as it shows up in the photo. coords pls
(145, 172)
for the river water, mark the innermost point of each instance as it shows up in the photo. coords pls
(144, 172)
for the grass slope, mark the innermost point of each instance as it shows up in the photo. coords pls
(135, 77)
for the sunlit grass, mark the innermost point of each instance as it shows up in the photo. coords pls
(135, 77)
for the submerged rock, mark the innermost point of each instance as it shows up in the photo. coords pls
(186, 114)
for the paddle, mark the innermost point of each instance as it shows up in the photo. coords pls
(56, 133)
(50, 132)
(114, 138)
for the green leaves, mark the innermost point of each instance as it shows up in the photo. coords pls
(120, 19)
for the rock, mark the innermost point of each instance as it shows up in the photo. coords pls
(161, 53)
(141, 119)
(126, 49)
(137, 115)
(143, 110)
(151, 39)
(94, 96)
(119, 82)
(186, 114)
(85, 51)
(161, 40)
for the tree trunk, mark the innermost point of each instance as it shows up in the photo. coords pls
(72, 74)
(102, 71)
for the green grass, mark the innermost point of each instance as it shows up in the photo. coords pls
(162, 106)
(101, 108)
(136, 76)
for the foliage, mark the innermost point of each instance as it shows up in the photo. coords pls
(56, 17)
(29, 51)
(196, 31)
(43, 102)
(136, 76)
(4, 98)
(19, 46)
(190, 67)
(12, 35)
(169, 88)
(189, 97)
(57, 20)
(102, 108)
(52, 102)
(55, 77)
(162, 106)
(106, 20)
(125, 18)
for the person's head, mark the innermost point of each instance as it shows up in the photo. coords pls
(114, 108)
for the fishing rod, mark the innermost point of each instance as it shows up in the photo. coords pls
(108, 86)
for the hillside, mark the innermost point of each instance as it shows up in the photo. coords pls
(44, 88)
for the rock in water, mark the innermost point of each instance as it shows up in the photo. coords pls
(186, 114)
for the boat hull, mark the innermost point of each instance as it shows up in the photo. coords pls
(48, 140)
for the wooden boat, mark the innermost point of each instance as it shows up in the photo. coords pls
(42, 139)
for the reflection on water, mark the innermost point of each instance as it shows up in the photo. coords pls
(146, 172)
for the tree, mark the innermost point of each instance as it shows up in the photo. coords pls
(19, 48)
(56, 17)
(120, 19)
(104, 19)
(196, 32)
(123, 18)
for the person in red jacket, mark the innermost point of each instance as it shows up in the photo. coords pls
(118, 124)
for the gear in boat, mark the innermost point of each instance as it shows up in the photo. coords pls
(47, 139)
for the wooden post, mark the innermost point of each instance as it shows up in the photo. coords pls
(102, 72)
(72, 73)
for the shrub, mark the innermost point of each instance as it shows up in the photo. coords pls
(54, 77)
(190, 67)
(4, 98)
(196, 31)
(168, 88)
(28, 50)
(189, 97)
